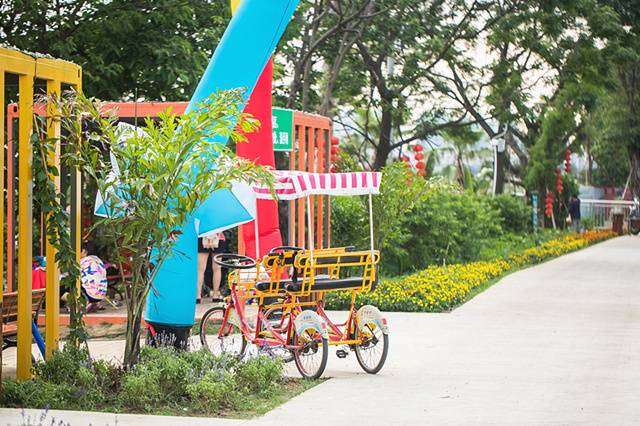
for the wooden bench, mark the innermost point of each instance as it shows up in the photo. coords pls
(10, 315)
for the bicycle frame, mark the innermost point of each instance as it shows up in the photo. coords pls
(280, 336)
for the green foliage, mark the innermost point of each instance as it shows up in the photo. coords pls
(508, 243)
(162, 381)
(447, 227)
(164, 174)
(418, 222)
(36, 394)
(156, 49)
(608, 131)
(349, 222)
(515, 214)
(258, 374)
(213, 391)
(69, 365)
(49, 201)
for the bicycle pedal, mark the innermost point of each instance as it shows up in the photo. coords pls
(341, 353)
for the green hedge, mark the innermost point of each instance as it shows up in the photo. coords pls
(420, 223)
(163, 382)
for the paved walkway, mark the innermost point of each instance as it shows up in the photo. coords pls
(555, 344)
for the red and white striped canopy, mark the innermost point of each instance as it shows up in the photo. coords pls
(290, 185)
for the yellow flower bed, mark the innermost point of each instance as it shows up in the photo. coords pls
(440, 288)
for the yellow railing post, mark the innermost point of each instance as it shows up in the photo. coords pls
(76, 200)
(52, 317)
(25, 215)
(1, 206)
(55, 72)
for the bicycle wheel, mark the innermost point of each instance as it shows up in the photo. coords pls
(280, 323)
(230, 342)
(372, 352)
(311, 357)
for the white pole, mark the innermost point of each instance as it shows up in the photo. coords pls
(494, 184)
(371, 223)
(256, 236)
(310, 226)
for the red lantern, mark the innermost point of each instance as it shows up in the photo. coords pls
(422, 173)
(404, 158)
(335, 150)
(335, 141)
(548, 209)
(419, 156)
(417, 148)
(567, 161)
(332, 169)
(559, 186)
(420, 165)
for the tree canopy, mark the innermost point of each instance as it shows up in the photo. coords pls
(543, 76)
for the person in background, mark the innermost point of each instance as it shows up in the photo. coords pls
(574, 213)
(210, 246)
(93, 277)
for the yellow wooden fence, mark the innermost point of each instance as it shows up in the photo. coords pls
(55, 72)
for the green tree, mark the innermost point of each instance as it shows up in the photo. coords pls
(617, 24)
(165, 173)
(155, 49)
(534, 51)
(462, 146)
(607, 142)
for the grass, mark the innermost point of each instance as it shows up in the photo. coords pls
(260, 406)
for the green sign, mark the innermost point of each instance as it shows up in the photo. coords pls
(282, 120)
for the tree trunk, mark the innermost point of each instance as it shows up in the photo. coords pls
(132, 342)
(301, 70)
(634, 165)
(306, 84)
(332, 75)
(346, 43)
(384, 146)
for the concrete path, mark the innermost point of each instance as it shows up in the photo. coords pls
(558, 343)
(555, 344)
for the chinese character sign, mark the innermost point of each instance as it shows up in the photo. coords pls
(282, 120)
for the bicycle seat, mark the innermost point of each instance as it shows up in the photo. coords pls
(268, 285)
(329, 284)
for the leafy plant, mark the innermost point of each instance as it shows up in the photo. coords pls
(152, 180)
(163, 380)
(49, 200)
(514, 214)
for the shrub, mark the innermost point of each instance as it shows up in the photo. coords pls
(163, 379)
(349, 222)
(213, 391)
(258, 374)
(36, 394)
(420, 222)
(68, 365)
(140, 391)
(72, 370)
(445, 227)
(514, 213)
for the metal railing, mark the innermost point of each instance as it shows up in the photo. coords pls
(601, 211)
